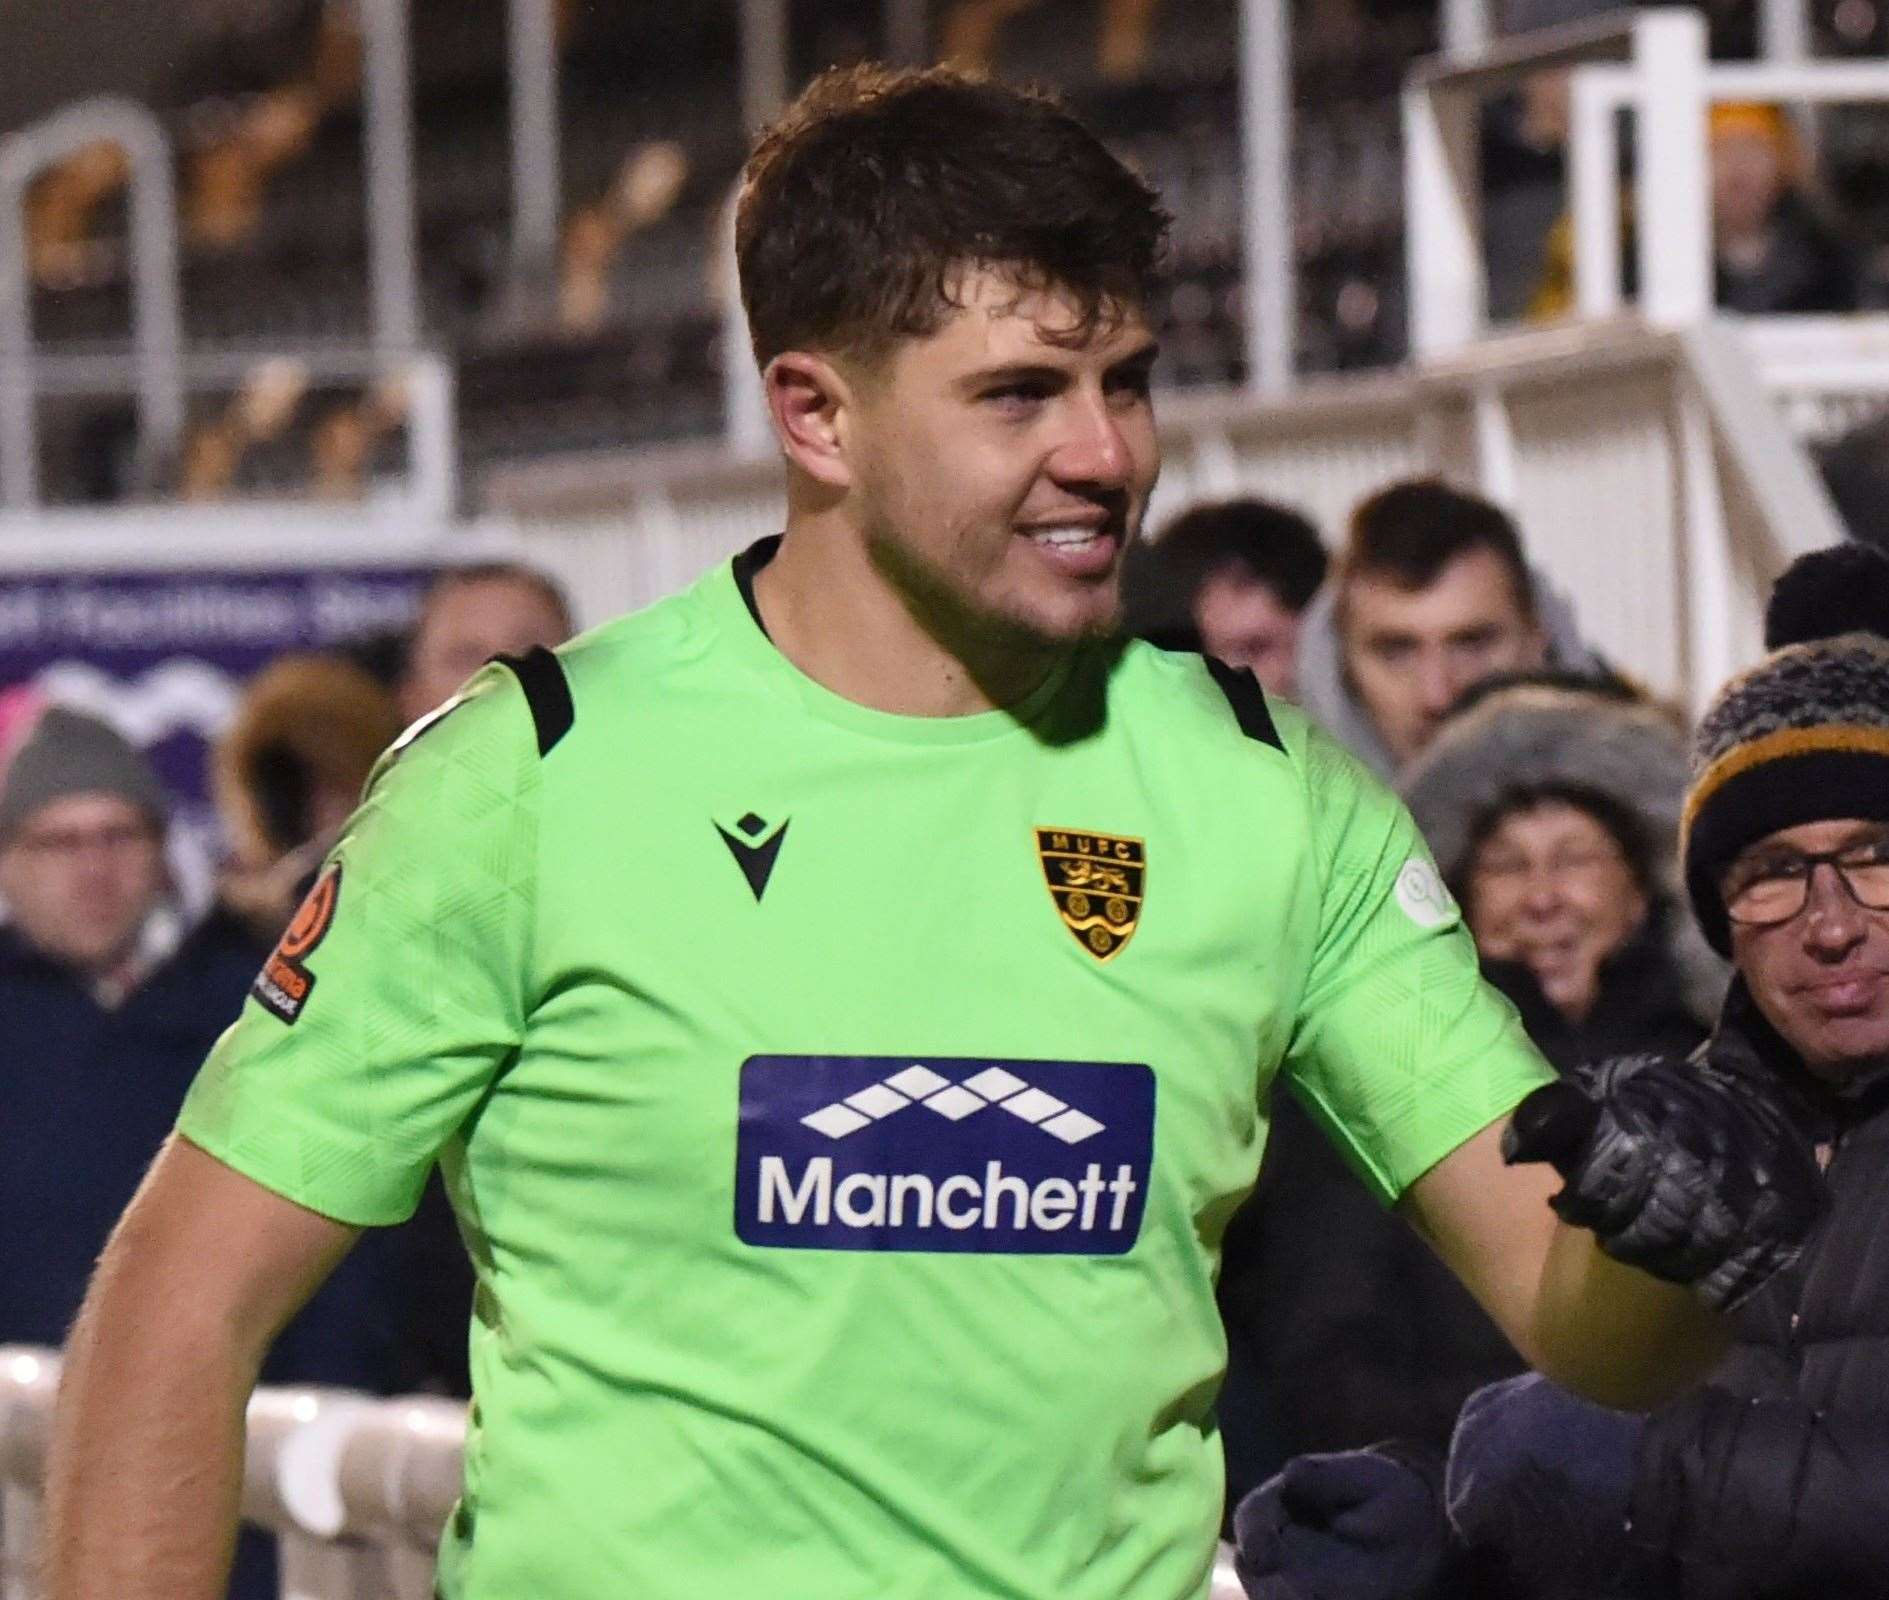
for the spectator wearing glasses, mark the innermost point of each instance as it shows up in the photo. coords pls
(1553, 805)
(106, 1005)
(1767, 1482)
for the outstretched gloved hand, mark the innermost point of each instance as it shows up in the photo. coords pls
(1351, 1525)
(1693, 1173)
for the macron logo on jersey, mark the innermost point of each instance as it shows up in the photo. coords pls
(943, 1154)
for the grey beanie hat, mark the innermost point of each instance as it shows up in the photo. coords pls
(71, 753)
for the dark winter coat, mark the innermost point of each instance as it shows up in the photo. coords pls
(1641, 1005)
(1771, 1482)
(88, 1096)
(1350, 1322)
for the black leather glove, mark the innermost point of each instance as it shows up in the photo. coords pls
(1693, 1173)
(1352, 1525)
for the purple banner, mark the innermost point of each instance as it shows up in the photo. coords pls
(163, 656)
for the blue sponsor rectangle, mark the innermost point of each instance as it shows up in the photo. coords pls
(936, 1153)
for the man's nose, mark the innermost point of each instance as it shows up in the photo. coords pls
(1093, 449)
(1437, 687)
(1833, 921)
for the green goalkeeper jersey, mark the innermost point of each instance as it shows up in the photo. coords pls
(843, 1109)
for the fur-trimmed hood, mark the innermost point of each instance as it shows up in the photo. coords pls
(1632, 751)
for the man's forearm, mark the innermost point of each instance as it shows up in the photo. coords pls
(145, 1476)
(1616, 1334)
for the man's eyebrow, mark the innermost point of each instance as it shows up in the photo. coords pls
(1013, 372)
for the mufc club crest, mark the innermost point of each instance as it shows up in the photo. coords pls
(1097, 881)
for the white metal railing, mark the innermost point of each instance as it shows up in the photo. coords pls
(428, 489)
(1599, 94)
(1651, 475)
(355, 1490)
(156, 319)
(1652, 63)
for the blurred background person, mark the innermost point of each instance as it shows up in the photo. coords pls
(1773, 250)
(107, 1005)
(1552, 808)
(471, 614)
(1766, 1481)
(1433, 594)
(288, 772)
(1231, 578)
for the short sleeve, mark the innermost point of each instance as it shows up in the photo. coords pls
(1400, 1052)
(398, 993)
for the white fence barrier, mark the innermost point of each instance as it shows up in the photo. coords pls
(355, 1490)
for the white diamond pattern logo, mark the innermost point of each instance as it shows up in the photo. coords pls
(955, 1101)
(993, 1083)
(877, 1100)
(1072, 1127)
(917, 1082)
(835, 1121)
(1033, 1105)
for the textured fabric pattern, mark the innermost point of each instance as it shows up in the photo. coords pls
(561, 975)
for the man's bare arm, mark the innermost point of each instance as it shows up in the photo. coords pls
(147, 1454)
(1610, 1332)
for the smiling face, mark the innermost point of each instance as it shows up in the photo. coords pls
(1551, 888)
(1821, 978)
(998, 467)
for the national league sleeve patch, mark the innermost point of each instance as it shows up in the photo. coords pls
(285, 983)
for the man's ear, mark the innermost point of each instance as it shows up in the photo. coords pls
(806, 400)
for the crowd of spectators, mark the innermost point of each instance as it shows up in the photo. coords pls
(1552, 792)
(111, 993)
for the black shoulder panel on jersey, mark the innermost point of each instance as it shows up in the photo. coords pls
(541, 675)
(1248, 701)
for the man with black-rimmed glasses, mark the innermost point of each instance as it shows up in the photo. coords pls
(1770, 1481)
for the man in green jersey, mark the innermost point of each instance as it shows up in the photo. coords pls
(844, 998)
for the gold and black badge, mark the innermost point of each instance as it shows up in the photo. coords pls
(1097, 881)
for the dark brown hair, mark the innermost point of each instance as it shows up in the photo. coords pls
(876, 188)
(1408, 533)
(1271, 544)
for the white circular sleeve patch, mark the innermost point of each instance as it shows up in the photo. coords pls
(1421, 893)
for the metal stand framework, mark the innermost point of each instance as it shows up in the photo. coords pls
(1268, 258)
(156, 320)
(392, 231)
(533, 56)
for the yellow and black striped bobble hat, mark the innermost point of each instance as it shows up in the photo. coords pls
(1803, 736)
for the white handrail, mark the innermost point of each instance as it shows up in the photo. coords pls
(157, 320)
(355, 1489)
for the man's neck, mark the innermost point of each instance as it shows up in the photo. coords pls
(842, 622)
